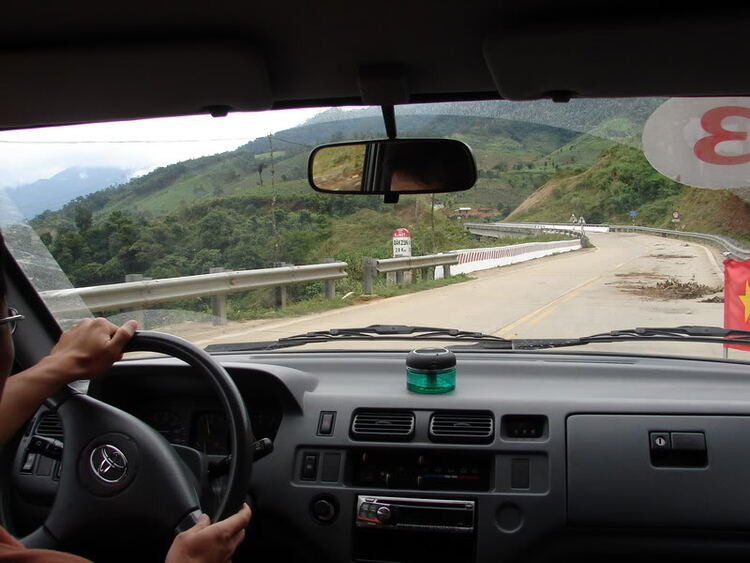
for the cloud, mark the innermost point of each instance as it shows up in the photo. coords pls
(32, 154)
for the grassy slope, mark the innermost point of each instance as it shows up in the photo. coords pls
(590, 193)
(218, 179)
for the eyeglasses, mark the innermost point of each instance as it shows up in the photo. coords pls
(11, 320)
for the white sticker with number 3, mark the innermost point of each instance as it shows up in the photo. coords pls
(701, 142)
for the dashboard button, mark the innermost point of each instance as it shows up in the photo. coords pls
(383, 514)
(331, 464)
(28, 464)
(44, 467)
(326, 422)
(309, 467)
(519, 473)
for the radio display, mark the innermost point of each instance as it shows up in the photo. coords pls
(429, 471)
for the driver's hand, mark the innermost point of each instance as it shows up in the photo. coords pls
(210, 543)
(89, 348)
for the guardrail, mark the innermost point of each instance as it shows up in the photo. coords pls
(139, 294)
(496, 229)
(500, 229)
(725, 243)
(427, 263)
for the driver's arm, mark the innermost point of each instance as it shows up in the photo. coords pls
(83, 352)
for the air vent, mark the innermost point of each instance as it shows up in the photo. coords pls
(50, 425)
(382, 425)
(524, 426)
(462, 427)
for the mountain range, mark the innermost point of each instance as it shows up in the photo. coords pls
(53, 193)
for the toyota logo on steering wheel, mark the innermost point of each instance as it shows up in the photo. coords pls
(108, 463)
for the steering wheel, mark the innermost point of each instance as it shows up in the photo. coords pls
(121, 478)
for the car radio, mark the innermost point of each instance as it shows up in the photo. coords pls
(425, 470)
(415, 514)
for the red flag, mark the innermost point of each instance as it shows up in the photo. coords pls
(737, 296)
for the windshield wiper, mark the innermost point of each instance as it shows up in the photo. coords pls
(372, 332)
(710, 334)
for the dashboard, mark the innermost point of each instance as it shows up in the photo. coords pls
(204, 427)
(533, 457)
(184, 409)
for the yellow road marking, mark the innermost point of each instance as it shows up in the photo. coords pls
(545, 310)
(542, 315)
(567, 296)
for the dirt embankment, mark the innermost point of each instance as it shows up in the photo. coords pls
(541, 195)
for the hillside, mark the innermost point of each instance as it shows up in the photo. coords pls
(622, 181)
(514, 157)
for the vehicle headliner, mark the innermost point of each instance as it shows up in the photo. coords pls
(72, 63)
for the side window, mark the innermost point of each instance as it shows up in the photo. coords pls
(39, 266)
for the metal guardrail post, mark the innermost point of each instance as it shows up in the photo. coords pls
(446, 271)
(218, 303)
(330, 287)
(137, 313)
(368, 272)
(280, 291)
(280, 297)
(400, 278)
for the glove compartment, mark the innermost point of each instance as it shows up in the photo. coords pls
(659, 471)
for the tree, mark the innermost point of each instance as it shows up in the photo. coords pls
(261, 167)
(46, 239)
(82, 217)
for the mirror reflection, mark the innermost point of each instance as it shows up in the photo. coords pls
(339, 168)
(393, 166)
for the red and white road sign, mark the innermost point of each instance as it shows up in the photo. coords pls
(701, 142)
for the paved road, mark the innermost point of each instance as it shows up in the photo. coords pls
(577, 293)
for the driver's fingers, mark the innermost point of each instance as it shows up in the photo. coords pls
(236, 540)
(203, 522)
(236, 522)
(123, 334)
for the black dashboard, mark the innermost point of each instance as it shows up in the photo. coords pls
(531, 457)
(193, 419)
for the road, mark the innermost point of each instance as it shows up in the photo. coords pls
(572, 294)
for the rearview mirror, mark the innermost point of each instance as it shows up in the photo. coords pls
(392, 167)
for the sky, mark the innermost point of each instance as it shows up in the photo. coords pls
(142, 145)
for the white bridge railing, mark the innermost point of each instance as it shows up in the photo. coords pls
(475, 259)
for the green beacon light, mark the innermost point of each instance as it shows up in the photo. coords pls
(431, 370)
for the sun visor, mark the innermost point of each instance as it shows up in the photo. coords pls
(103, 83)
(677, 58)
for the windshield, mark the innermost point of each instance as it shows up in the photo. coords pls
(207, 228)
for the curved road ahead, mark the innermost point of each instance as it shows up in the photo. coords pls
(574, 294)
